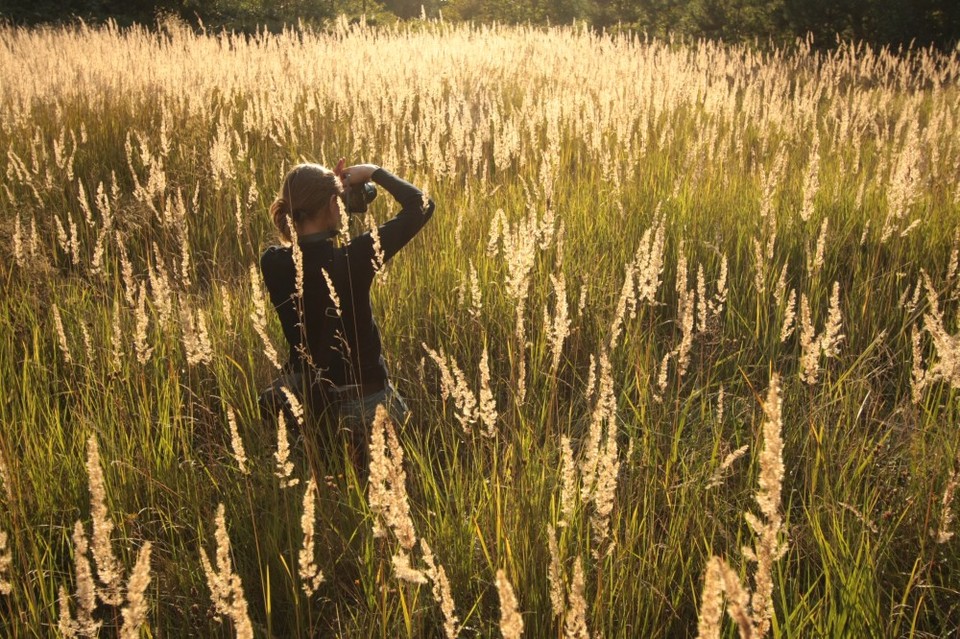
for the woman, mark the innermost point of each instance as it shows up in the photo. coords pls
(336, 361)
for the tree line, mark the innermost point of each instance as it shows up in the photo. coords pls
(879, 22)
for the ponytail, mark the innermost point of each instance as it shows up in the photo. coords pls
(280, 212)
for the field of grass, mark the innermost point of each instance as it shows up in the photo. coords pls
(634, 240)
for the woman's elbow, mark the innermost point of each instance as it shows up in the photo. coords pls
(428, 208)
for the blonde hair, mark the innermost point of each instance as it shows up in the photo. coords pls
(306, 190)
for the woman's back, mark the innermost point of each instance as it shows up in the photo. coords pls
(333, 334)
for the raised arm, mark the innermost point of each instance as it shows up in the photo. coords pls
(415, 210)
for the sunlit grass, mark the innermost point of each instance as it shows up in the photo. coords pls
(559, 129)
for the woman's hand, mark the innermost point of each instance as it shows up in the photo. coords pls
(356, 174)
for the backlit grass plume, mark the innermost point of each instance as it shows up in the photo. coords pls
(752, 612)
(226, 589)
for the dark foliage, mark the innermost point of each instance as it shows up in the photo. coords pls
(879, 22)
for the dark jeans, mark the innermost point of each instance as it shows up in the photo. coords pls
(348, 417)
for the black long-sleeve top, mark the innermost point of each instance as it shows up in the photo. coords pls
(346, 348)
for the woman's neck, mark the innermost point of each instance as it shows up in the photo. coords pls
(323, 221)
(311, 226)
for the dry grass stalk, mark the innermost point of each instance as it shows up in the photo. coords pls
(721, 472)
(236, 443)
(109, 570)
(626, 306)
(74, 242)
(663, 372)
(466, 402)
(811, 183)
(185, 252)
(404, 570)
(918, 374)
(447, 382)
(763, 251)
(768, 547)
(575, 621)
(555, 574)
(5, 480)
(568, 483)
(84, 625)
(721, 395)
(284, 466)
(810, 349)
(226, 589)
(387, 483)
(582, 299)
(108, 566)
(6, 558)
(591, 378)
(686, 310)
(19, 252)
(96, 262)
(297, 256)
(259, 317)
(521, 373)
(61, 335)
(511, 623)
(196, 339)
(604, 413)
(831, 337)
(227, 306)
(296, 408)
(753, 613)
(600, 464)
(719, 301)
(520, 250)
(649, 262)
(116, 342)
(487, 408)
(135, 612)
(140, 344)
(126, 270)
(904, 180)
(759, 268)
(378, 255)
(947, 365)
(953, 265)
(87, 342)
(826, 343)
(476, 293)
(718, 579)
(495, 235)
(815, 260)
(453, 384)
(310, 574)
(944, 534)
(604, 491)
(558, 327)
(702, 307)
(161, 292)
(332, 290)
(442, 593)
(789, 317)
(769, 180)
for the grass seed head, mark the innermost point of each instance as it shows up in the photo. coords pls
(511, 623)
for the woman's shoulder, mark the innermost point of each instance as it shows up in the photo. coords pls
(275, 252)
(275, 256)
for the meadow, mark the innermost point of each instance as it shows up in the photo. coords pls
(680, 341)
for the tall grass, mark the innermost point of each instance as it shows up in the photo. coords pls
(632, 237)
